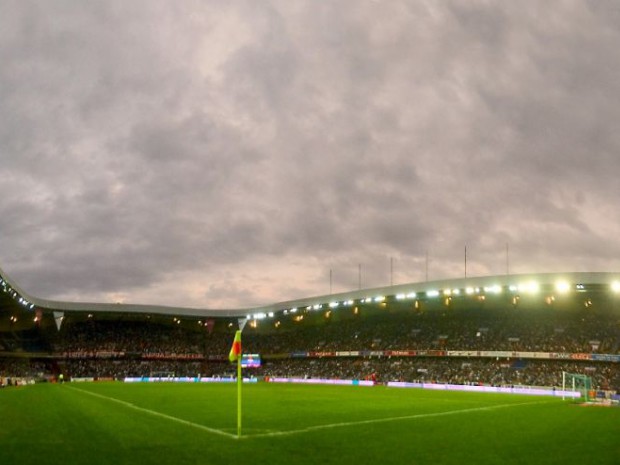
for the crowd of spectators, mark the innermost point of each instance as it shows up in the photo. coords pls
(14, 369)
(516, 332)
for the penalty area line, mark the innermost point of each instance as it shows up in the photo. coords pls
(386, 420)
(157, 414)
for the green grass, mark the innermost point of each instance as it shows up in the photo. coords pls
(115, 423)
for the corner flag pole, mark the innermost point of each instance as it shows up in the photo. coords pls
(236, 354)
(239, 384)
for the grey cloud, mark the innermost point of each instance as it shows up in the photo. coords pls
(237, 144)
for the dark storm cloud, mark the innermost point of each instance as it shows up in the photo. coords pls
(228, 154)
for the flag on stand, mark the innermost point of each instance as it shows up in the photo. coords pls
(235, 350)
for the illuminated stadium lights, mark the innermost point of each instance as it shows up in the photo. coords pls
(260, 316)
(432, 293)
(615, 286)
(270, 314)
(411, 295)
(367, 300)
(293, 310)
(447, 292)
(531, 287)
(456, 291)
(380, 298)
(495, 289)
(562, 287)
(469, 290)
(316, 307)
(513, 288)
(348, 303)
(333, 304)
(400, 296)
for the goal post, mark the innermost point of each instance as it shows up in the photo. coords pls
(577, 383)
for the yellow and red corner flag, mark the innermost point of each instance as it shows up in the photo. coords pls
(235, 350)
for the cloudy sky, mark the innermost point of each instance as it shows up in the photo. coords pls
(226, 154)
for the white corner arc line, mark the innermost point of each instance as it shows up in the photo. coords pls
(387, 420)
(158, 414)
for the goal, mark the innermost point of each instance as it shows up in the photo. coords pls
(577, 383)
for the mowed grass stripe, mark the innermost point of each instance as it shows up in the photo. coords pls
(155, 413)
(389, 419)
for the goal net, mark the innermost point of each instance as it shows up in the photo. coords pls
(577, 383)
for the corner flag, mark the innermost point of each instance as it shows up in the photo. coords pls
(235, 350)
(235, 356)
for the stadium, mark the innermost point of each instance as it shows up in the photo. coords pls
(521, 344)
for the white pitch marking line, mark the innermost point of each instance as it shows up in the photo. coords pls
(158, 414)
(385, 420)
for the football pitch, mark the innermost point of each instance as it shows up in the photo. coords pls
(166, 423)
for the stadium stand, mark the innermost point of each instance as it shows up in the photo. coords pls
(485, 339)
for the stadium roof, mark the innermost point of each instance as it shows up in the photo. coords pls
(521, 283)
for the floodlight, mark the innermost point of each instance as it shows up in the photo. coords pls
(495, 289)
(531, 287)
(562, 287)
(615, 286)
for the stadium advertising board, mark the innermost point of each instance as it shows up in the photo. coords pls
(504, 390)
(340, 382)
